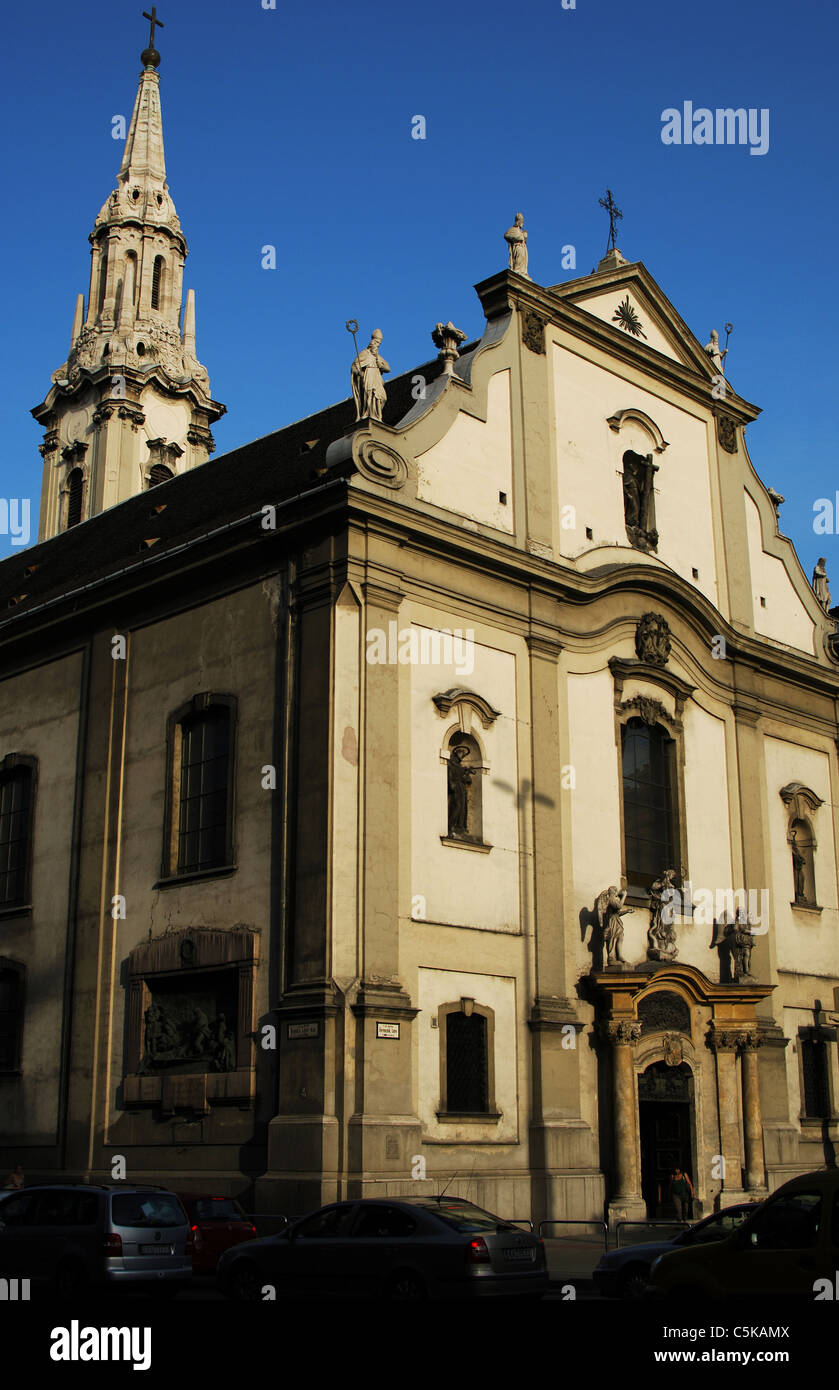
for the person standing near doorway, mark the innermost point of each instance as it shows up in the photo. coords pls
(681, 1193)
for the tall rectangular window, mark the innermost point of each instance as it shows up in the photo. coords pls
(15, 833)
(11, 1010)
(649, 802)
(467, 1082)
(814, 1067)
(204, 790)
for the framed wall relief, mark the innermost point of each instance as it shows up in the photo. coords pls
(190, 1019)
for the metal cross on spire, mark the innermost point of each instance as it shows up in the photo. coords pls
(615, 216)
(153, 20)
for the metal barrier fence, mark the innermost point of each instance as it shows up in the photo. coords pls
(521, 1221)
(675, 1224)
(604, 1227)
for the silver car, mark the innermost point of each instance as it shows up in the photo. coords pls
(72, 1237)
(624, 1273)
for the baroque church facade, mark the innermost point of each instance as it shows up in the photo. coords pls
(443, 784)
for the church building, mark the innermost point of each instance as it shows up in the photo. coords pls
(443, 784)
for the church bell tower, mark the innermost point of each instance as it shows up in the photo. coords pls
(131, 406)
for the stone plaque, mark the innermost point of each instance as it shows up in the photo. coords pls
(387, 1030)
(303, 1030)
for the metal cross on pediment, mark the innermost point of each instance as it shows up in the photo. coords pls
(153, 21)
(615, 216)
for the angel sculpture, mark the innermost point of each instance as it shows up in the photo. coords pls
(609, 906)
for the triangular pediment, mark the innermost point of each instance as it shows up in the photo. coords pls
(630, 301)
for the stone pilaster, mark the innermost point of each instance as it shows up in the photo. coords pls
(752, 1118)
(626, 1203)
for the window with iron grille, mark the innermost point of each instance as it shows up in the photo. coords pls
(204, 792)
(11, 1014)
(814, 1067)
(649, 802)
(15, 834)
(467, 1072)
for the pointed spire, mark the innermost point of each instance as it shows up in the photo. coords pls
(189, 324)
(78, 319)
(143, 157)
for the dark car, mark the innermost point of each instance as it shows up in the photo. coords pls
(75, 1236)
(789, 1244)
(624, 1273)
(413, 1247)
(217, 1223)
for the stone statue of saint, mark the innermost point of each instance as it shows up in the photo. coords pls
(632, 493)
(459, 783)
(367, 386)
(516, 239)
(741, 946)
(716, 355)
(610, 908)
(661, 936)
(820, 583)
(200, 1034)
(798, 865)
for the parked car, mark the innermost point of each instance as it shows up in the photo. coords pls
(410, 1247)
(624, 1273)
(217, 1223)
(72, 1237)
(790, 1241)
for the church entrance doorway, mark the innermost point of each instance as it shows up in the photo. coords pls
(665, 1113)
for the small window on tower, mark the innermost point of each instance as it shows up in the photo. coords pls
(159, 473)
(157, 282)
(75, 491)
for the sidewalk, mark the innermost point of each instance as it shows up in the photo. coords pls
(572, 1261)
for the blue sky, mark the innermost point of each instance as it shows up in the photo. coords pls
(292, 127)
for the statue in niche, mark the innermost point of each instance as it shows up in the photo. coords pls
(799, 864)
(516, 239)
(610, 908)
(661, 936)
(162, 1041)
(460, 777)
(820, 588)
(638, 474)
(367, 386)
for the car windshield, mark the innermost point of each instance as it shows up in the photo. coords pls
(462, 1216)
(147, 1209)
(217, 1209)
(718, 1227)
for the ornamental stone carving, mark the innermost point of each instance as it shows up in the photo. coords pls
(652, 711)
(621, 1032)
(381, 463)
(533, 331)
(652, 639)
(673, 1056)
(727, 433)
(734, 1039)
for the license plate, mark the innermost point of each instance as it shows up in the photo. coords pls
(157, 1249)
(517, 1253)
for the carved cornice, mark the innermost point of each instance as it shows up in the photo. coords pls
(541, 644)
(459, 695)
(74, 453)
(197, 435)
(733, 1039)
(637, 417)
(623, 670)
(651, 711)
(799, 800)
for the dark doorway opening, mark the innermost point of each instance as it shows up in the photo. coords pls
(665, 1105)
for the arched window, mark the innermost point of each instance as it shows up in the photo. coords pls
(467, 1069)
(650, 803)
(17, 783)
(11, 1014)
(464, 775)
(803, 867)
(75, 496)
(157, 282)
(159, 473)
(199, 831)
